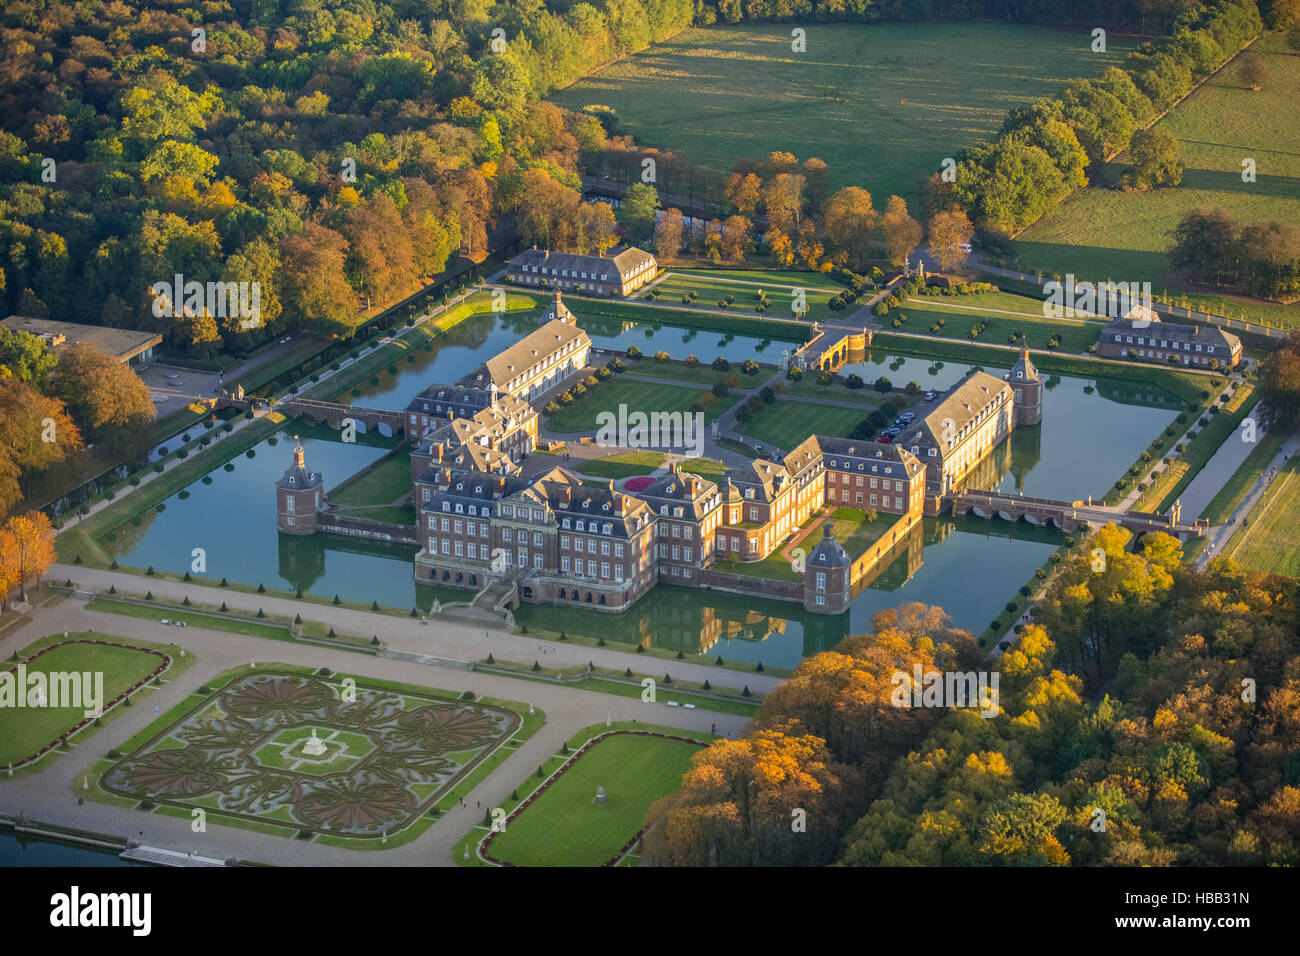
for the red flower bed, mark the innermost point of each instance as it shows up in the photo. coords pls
(167, 662)
(613, 860)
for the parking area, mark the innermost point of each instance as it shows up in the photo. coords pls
(172, 388)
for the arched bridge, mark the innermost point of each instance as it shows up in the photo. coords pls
(335, 412)
(1068, 515)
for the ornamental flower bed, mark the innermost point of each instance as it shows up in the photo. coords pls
(484, 846)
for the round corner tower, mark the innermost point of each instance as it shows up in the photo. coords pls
(1028, 388)
(827, 587)
(298, 496)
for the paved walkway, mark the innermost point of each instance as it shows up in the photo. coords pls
(50, 795)
(440, 638)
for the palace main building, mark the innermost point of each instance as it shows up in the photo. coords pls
(558, 540)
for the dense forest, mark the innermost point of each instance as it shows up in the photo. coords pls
(1149, 715)
(334, 151)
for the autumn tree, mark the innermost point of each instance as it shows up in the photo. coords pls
(949, 231)
(1155, 160)
(32, 539)
(850, 221)
(9, 577)
(314, 282)
(36, 433)
(901, 232)
(783, 199)
(735, 237)
(106, 397)
(779, 246)
(668, 235)
(816, 182)
(596, 224)
(743, 193)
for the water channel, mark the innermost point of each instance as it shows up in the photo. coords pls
(1090, 433)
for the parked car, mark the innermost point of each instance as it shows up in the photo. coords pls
(886, 439)
(166, 621)
(931, 396)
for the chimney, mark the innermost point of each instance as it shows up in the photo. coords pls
(502, 484)
(610, 484)
(672, 468)
(438, 452)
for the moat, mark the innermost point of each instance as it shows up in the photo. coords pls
(1091, 432)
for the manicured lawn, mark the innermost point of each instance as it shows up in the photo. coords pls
(381, 484)
(1005, 315)
(853, 531)
(232, 625)
(565, 827)
(808, 387)
(703, 375)
(623, 466)
(785, 424)
(711, 288)
(882, 104)
(1268, 542)
(647, 397)
(1102, 233)
(28, 729)
(706, 468)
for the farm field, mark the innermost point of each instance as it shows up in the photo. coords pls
(881, 104)
(711, 288)
(1005, 314)
(1268, 542)
(1102, 233)
(785, 424)
(565, 827)
(639, 396)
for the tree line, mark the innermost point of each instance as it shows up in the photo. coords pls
(1260, 258)
(1043, 150)
(1147, 716)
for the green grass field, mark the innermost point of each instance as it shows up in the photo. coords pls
(711, 288)
(647, 397)
(28, 729)
(564, 827)
(232, 625)
(881, 104)
(381, 484)
(1005, 314)
(1268, 542)
(1102, 233)
(623, 466)
(1236, 488)
(785, 424)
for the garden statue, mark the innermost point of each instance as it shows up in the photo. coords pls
(601, 796)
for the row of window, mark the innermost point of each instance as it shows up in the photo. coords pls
(588, 567)
(1185, 346)
(884, 482)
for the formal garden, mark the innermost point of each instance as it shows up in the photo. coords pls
(314, 755)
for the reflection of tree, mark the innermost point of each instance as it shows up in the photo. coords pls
(129, 534)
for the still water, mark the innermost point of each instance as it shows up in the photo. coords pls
(22, 850)
(461, 349)
(1090, 433)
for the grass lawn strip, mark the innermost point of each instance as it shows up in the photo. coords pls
(126, 666)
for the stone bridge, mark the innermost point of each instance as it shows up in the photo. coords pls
(1068, 515)
(335, 412)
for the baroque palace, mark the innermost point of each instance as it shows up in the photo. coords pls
(557, 539)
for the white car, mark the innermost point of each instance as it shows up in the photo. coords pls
(165, 621)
